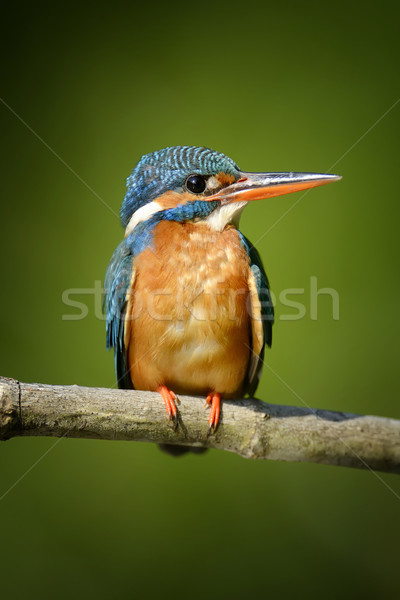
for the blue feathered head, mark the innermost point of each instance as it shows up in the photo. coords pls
(167, 170)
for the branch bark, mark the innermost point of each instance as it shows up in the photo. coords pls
(249, 427)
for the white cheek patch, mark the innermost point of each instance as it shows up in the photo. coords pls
(142, 214)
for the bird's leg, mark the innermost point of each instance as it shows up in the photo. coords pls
(215, 400)
(169, 398)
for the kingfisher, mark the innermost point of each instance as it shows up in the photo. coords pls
(187, 299)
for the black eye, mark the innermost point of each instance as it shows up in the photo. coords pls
(196, 184)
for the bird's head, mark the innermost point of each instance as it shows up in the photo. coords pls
(188, 183)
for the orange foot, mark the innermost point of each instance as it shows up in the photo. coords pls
(215, 401)
(169, 400)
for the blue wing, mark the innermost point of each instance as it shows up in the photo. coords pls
(262, 315)
(116, 286)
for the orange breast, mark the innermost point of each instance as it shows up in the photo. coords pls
(187, 324)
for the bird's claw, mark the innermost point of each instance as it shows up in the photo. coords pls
(213, 420)
(170, 399)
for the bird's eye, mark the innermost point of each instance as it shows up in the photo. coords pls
(196, 184)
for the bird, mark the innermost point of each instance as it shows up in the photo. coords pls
(187, 300)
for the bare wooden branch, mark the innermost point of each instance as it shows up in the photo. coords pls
(251, 428)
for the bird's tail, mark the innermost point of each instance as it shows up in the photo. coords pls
(175, 450)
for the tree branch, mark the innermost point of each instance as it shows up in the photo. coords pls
(251, 428)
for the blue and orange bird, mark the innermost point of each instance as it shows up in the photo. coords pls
(187, 298)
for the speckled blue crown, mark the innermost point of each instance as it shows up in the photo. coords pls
(168, 169)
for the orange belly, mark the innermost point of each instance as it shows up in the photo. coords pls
(187, 324)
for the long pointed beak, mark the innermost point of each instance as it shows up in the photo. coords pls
(256, 186)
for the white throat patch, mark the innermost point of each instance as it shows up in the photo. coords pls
(225, 214)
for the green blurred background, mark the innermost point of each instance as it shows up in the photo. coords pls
(296, 86)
